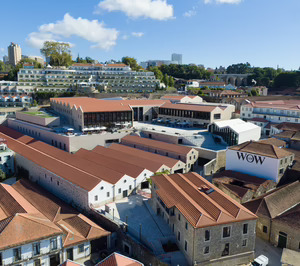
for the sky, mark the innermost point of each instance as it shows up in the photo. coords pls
(265, 33)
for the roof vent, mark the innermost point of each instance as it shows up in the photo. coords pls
(205, 189)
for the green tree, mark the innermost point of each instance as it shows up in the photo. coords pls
(2, 175)
(130, 61)
(158, 74)
(59, 53)
(166, 80)
(171, 82)
(254, 92)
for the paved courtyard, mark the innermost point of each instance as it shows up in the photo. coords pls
(265, 248)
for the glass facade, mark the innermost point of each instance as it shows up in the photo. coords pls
(185, 113)
(104, 118)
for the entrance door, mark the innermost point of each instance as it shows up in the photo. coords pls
(125, 193)
(54, 260)
(282, 239)
(70, 254)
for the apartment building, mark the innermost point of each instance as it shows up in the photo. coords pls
(259, 159)
(195, 114)
(288, 132)
(278, 214)
(186, 154)
(39, 229)
(210, 227)
(14, 54)
(115, 77)
(235, 131)
(275, 112)
(76, 180)
(88, 114)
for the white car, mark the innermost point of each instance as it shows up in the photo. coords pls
(260, 261)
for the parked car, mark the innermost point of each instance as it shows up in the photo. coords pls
(260, 261)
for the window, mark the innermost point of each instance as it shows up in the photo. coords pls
(107, 194)
(96, 198)
(186, 225)
(17, 254)
(130, 187)
(244, 243)
(37, 262)
(206, 250)
(57, 183)
(207, 235)
(36, 248)
(101, 188)
(225, 251)
(53, 244)
(265, 229)
(80, 248)
(226, 231)
(1, 259)
(185, 245)
(178, 236)
(281, 171)
(125, 181)
(245, 229)
(120, 190)
(178, 216)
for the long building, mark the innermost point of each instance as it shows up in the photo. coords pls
(39, 229)
(272, 112)
(186, 154)
(115, 77)
(210, 227)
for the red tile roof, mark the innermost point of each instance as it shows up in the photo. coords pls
(92, 104)
(190, 107)
(280, 104)
(258, 119)
(199, 201)
(117, 259)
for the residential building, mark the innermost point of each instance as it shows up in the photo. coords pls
(177, 57)
(235, 131)
(288, 132)
(39, 229)
(242, 187)
(182, 99)
(278, 214)
(212, 84)
(84, 113)
(14, 54)
(114, 77)
(273, 141)
(192, 84)
(272, 111)
(224, 94)
(116, 259)
(195, 114)
(80, 182)
(210, 227)
(259, 159)
(183, 153)
(6, 158)
(261, 90)
(15, 101)
(38, 59)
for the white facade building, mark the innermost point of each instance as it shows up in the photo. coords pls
(259, 159)
(14, 54)
(182, 99)
(235, 131)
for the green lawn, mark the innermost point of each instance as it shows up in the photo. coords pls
(37, 113)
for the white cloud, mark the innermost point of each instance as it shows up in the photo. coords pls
(154, 9)
(90, 30)
(125, 37)
(190, 13)
(137, 34)
(2, 50)
(223, 1)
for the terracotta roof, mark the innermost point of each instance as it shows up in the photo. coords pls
(190, 107)
(274, 141)
(237, 190)
(258, 119)
(276, 202)
(261, 149)
(288, 126)
(155, 144)
(112, 163)
(286, 134)
(199, 201)
(82, 64)
(142, 102)
(280, 104)
(296, 136)
(54, 165)
(290, 217)
(175, 97)
(70, 263)
(170, 162)
(149, 164)
(116, 65)
(92, 105)
(116, 259)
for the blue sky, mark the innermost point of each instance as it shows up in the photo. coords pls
(209, 32)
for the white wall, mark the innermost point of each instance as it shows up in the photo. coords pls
(251, 134)
(268, 169)
(27, 252)
(76, 254)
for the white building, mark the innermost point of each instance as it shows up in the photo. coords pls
(192, 84)
(259, 159)
(39, 229)
(14, 54)
(272, 111)
(182, 99)
(38, 59)
(177, 57)
(235, 131)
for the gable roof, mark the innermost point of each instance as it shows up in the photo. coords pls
(260, 148)
(156, 144)
(274, 141)
(190, 107)
(116, 259)
(277, 201)
(199, 201)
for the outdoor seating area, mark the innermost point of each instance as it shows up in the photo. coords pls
(169, 123)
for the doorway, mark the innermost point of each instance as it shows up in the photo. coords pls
(70, 254)
(282, 239)
(125, 193)
(54, 260)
